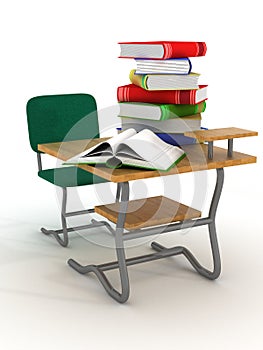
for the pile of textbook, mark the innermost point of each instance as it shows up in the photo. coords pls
(164, 95)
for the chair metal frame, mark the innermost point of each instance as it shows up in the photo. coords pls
(61, 235)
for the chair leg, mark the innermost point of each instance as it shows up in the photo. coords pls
(64, 241)
(61, 235)
(57, 233)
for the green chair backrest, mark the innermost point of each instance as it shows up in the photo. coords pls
(54, 118)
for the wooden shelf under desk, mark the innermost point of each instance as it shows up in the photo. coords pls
(148, 212)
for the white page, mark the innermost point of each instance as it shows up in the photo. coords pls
(146, 143)
(151, 148)
(126, 151)
(112, 142)
(165, 160)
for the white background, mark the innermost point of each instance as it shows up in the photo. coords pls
(54, 47)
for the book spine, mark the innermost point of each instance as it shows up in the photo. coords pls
(123, 94)
(165, 112)
(190, 66)
(138, 79)
(183, 49)
(168, 50)
(183, 110)
(200, 107)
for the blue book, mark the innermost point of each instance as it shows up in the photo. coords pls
(176, 139)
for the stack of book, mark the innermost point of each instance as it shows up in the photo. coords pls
(164, 95)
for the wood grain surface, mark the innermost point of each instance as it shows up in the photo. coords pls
(149, 212)
(220, 134)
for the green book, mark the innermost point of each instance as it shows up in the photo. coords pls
(158, 111)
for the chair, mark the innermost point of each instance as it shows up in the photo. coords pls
(52, 118)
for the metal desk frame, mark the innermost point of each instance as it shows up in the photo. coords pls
(162, 252)
(197, 160)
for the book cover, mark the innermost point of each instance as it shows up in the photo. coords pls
(165, 81)
(134, 93)
(162, 49)
(158, 111)
(177, 139)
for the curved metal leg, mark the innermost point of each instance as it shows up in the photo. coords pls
(212, 234)
(123, 295)
(57, 234)
(61, 235)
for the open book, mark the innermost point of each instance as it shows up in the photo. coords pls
(143, 150)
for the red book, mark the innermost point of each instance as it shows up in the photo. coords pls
(134, 93)
(162, 49)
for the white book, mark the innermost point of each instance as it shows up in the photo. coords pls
(169, 66)
(165, 81)
(172, 81)
(175, 125)
(143, 149)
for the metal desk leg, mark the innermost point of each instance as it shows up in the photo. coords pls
(210, 150)
(122, 296)
(230, 148)
(118, 192)
(212, 234)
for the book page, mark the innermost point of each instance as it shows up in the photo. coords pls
(145, 142)
(126, 151)
(109, 146)
(103, 148)
(116, 140)
(89, 160)
(152, 149)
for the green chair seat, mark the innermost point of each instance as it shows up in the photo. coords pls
(69, 177)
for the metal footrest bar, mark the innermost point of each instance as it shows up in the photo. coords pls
(79, 212)
(71, 229)
(166, 228)
(167, 252)
(104, 223)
